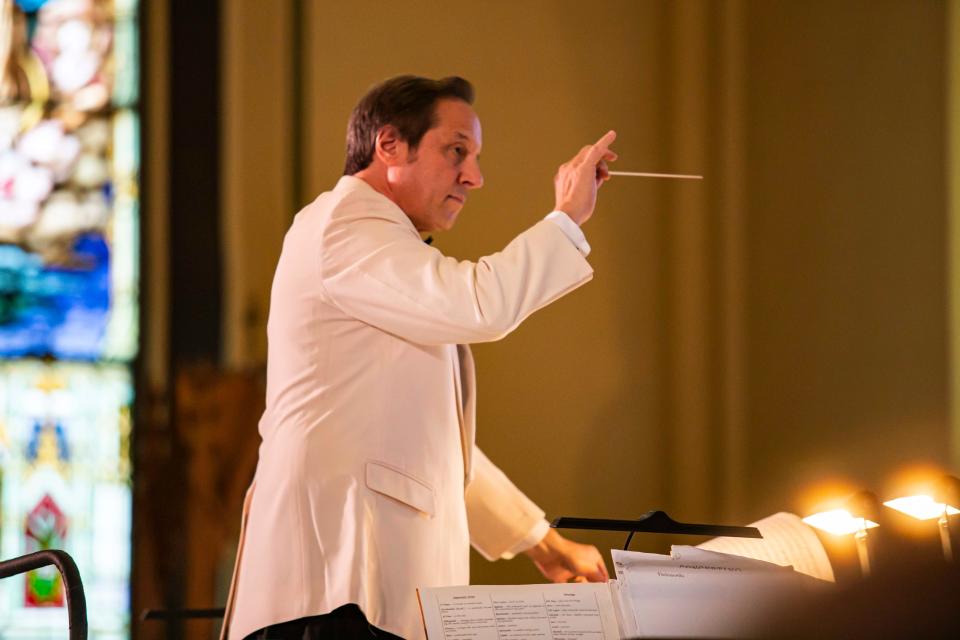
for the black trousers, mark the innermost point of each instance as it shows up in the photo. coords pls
(344, 623)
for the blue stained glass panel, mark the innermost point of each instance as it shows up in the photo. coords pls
(55, 310)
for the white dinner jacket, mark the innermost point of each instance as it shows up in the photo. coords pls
(369, 484)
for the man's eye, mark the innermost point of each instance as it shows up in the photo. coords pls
(460, 151)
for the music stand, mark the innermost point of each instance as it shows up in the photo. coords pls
(654, 522)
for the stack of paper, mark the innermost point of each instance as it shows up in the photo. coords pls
(694, 593)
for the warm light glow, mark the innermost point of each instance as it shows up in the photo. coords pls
(913, 479)
(838, 522)
(920, 507)
(829, 493)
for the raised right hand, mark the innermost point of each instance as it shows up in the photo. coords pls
(577, 181)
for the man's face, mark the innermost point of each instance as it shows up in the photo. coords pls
(432, 182)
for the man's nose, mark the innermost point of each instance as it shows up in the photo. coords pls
(471, 176)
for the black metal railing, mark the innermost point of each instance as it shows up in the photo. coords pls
(72, 586)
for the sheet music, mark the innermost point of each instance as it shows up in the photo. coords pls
(582, 611)
(704, 594)
(621, 605)
(688, 554)
(787, 541)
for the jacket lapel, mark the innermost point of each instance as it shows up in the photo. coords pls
(465, 384)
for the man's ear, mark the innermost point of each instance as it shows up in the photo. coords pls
(390, 148)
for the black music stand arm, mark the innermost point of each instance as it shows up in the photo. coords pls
(655, 522)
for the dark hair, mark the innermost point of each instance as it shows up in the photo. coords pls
(406, 102)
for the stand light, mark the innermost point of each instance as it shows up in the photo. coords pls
(859, 513)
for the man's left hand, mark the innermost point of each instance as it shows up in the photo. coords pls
(562, 560)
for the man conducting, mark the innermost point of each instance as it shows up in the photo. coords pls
(369, 484)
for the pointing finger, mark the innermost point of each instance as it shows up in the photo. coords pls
(602, 147)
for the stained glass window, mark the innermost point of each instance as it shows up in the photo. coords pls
(69, 244)
(65, 453)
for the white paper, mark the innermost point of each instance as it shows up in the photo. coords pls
(621, 605)
(787, 541)
(689, 554)
(582, 611)
(696, 593)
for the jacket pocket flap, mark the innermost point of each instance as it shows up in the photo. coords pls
(400, 486)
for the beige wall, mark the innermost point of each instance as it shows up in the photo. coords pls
(847, 250)
(257, 160)
(953, 190)
(778, 324)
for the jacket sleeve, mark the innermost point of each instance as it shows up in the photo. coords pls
(499, 515)
(374, 267)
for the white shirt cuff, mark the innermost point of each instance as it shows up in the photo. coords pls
(533, 537)
(571, 229)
